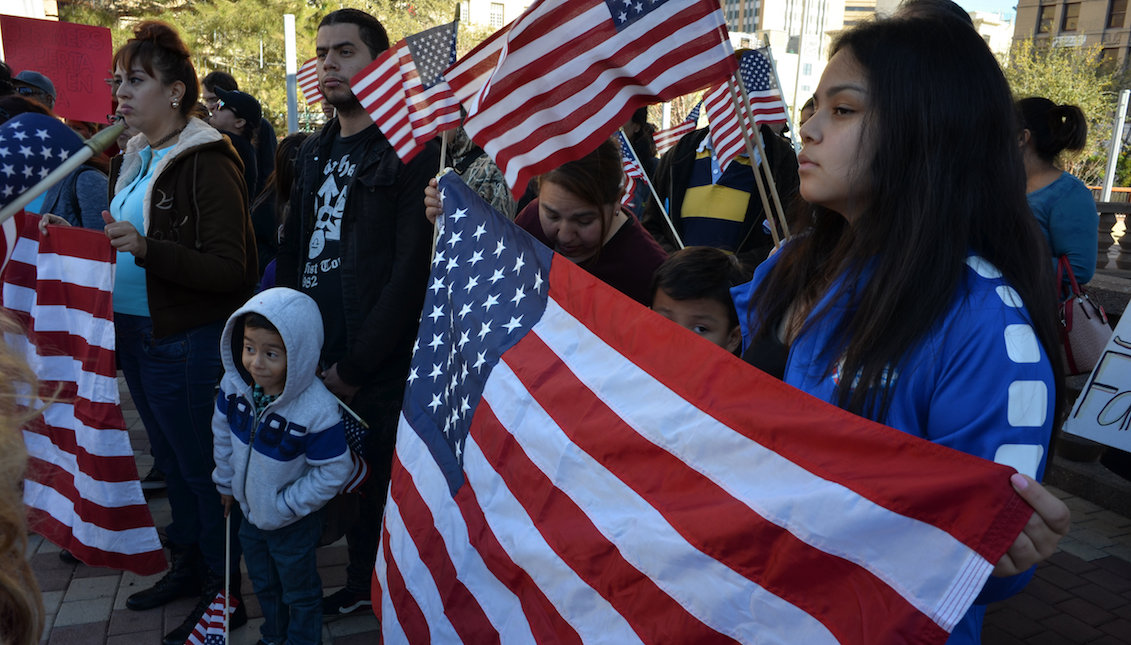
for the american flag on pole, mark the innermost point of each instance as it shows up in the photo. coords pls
(726, 129)
(431, 105)
(380, 90)
(82, 489)
(307, 79)
(210, 629)
(573, 71)
(570, 467)
(632, 169)
(667, 138)
(404, 92)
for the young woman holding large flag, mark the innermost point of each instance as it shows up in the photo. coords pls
(914, 292)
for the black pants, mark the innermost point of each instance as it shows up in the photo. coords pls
(381, 410)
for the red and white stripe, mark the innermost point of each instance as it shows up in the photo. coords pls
(430, 111)
(82, 488)
(359, 472)
(665, 139)
(380, 89)
(602, 503)
(307, 79)
(567, 78)
(8, 236)
(469, 74)
(210, 629)
(727, 128)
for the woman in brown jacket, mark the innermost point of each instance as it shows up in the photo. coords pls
(186, 259)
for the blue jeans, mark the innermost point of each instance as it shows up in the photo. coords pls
(284, 573)
(172, 381)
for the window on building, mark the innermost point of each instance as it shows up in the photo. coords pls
(1116, 13)
(1044, 18)
(807, 69)
(1109, 58)
(1070, 21)
(496, 18)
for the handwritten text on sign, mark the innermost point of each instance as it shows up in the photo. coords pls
(75, 57)
(1103, 411)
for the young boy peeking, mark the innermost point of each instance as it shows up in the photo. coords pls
(692, 289)
(280, 452)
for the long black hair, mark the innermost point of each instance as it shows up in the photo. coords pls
(949, 181)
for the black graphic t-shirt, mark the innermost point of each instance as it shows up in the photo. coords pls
(322, 275)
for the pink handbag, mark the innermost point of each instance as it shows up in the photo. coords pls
(1084, 329)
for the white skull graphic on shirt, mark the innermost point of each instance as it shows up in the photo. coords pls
(329, 204)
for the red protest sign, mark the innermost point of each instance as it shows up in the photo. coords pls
(75, 57)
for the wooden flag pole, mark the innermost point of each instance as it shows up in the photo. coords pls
(655, 196)
(750, 151)
(765, 161)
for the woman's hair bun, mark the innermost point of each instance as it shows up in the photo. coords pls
(162, 35)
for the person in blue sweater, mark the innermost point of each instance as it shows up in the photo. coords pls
(912, 293)
(281, 452)
(1062, 204)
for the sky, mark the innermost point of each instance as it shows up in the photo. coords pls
(997, 6)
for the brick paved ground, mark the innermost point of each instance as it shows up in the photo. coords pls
(1080, 595)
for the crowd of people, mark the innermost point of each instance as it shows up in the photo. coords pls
(915, 290)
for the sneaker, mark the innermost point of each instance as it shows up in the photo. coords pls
(154, 480)
(344, 601)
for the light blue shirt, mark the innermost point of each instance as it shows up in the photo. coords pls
(128, 205)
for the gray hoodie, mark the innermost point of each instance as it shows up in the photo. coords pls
(294, 454)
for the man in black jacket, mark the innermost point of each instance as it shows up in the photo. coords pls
(358, 243)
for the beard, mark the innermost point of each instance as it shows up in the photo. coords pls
(343, 100)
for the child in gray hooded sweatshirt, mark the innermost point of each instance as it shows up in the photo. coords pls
(281, 452)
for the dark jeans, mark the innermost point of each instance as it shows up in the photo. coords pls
(284, 573)
(172, 382)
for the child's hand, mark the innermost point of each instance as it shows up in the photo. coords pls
(226, 500)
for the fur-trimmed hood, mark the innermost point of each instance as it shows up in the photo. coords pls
(197, 133)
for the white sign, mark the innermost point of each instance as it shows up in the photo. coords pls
(1069, 41)
(1103, 411)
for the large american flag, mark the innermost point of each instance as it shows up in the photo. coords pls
(765, 99)
(404, 92)
(573, 71)
(307, 79)
(667, 138)
(570, 467)
(82, 489)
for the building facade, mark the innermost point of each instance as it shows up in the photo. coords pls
(491, 13)
(798, 32)
(1075, 23)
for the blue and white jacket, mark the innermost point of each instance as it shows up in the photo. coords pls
(979, 382)
(290, 460)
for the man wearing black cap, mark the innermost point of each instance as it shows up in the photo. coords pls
(237, 115)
